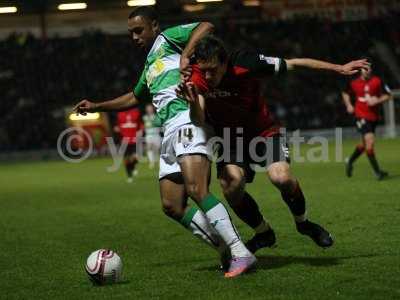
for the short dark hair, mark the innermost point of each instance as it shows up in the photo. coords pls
(147, 12)
(210, 47)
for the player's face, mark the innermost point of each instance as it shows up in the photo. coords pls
(213, 71)
(142, 31)
(366, 73)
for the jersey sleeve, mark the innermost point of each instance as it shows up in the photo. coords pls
(180, 35)
(260, 64)
(141, 91)
(199, 80)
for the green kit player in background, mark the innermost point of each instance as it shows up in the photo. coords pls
(152, 135)
(185, 157)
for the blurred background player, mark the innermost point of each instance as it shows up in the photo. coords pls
(152, 135)
(130, 128)
(369, 92)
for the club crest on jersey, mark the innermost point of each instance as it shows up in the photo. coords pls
(160, 53)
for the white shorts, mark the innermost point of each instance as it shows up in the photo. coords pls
(154, 141)
(182, 140)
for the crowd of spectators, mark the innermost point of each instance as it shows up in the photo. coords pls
(40, 78)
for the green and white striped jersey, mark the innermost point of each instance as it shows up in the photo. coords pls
(161, 76)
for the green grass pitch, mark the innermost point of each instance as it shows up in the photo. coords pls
(53, 214)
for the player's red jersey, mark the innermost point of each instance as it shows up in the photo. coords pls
(129, 124)
(237, 102)
(361, 90)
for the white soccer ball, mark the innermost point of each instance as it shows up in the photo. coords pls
(104, 267)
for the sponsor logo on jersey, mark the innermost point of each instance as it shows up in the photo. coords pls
(220, 94)
(155, 69)
(268, 60)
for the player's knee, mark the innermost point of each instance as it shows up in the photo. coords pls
(369, 141)
(369, 145)
(281, 179)
(232, 180)
(279, 174)
(196, 191)
(369, 149)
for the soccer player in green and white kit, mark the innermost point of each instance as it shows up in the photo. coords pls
(185, 157)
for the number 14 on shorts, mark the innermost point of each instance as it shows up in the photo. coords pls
(185, 135)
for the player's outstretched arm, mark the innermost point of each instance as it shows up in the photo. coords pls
(372, 101)
(201, 30)
(348, 69)
(188, 91)
(120, 103)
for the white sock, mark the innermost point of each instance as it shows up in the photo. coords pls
(203, 229)
(196, 222)
(219, 218)
(150, 156)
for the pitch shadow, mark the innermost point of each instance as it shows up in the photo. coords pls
(274, 262)
(104, 286)
(392, 177)
(270, 262)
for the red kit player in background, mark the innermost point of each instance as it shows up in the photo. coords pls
(130, 127)
(368, 92)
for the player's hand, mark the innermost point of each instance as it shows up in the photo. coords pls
(372, 101)
(185, 69)
(84, 107)
(354, 67)
(350, 109)
(188, 91)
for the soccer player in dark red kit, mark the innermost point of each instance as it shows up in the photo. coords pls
(130, 127)
(368, 92)
(225, 92)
